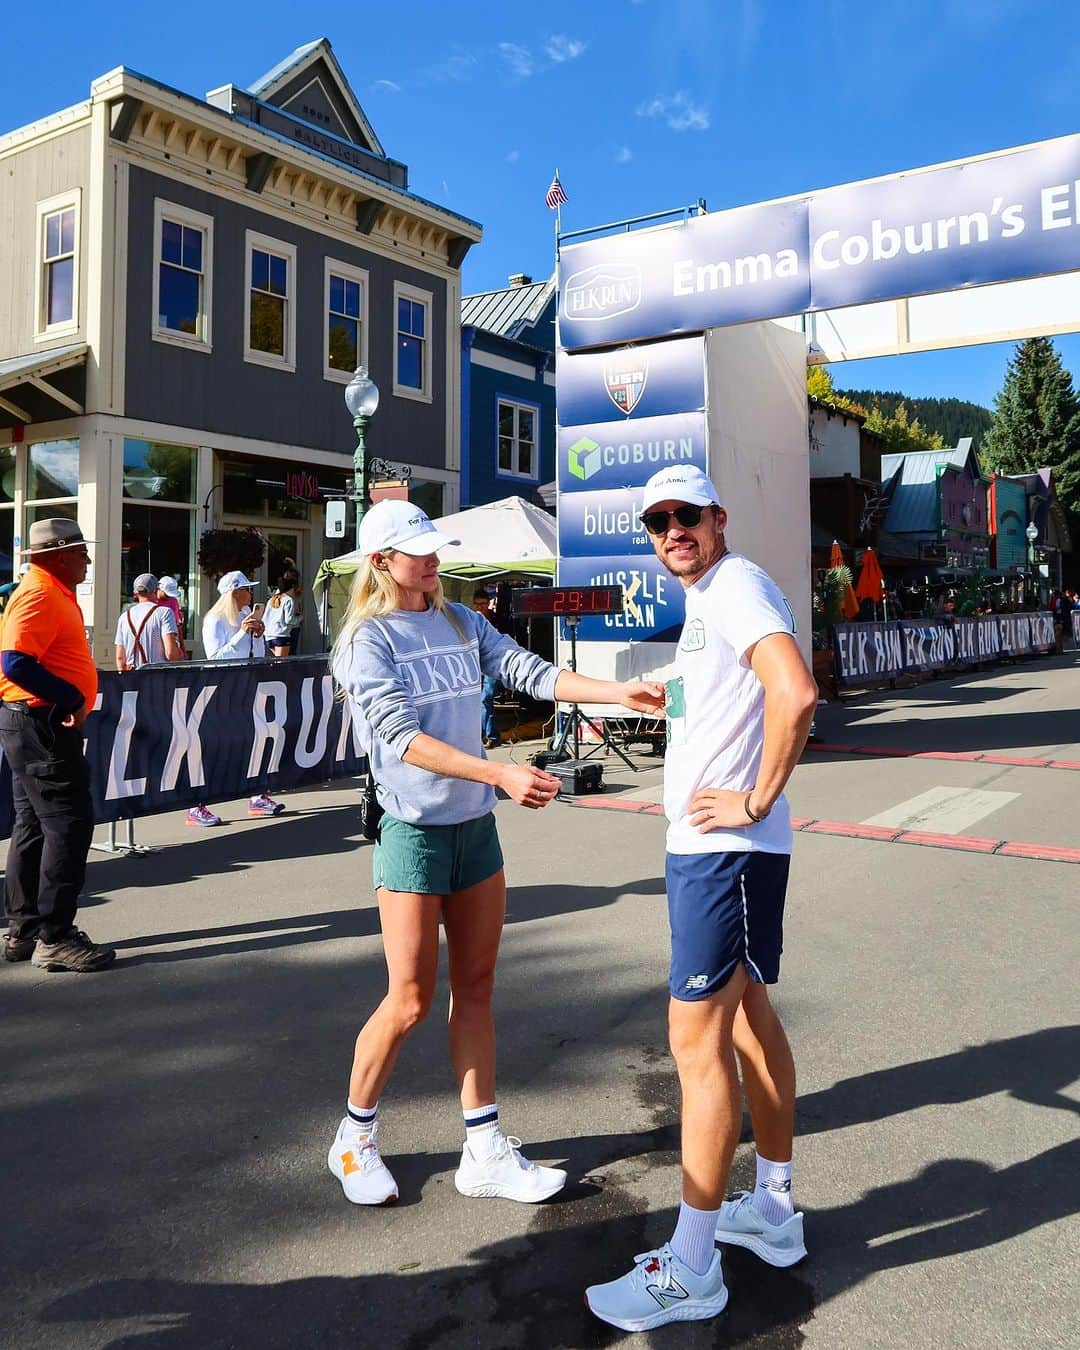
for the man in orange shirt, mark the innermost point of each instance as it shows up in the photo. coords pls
(48, 685)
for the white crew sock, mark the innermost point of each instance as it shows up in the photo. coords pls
(772, 1193)
(694, 1239)
(482, 1130)
(361, 1119)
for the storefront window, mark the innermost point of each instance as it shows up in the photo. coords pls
(158, 539)
(8, 562)
(276, 489)
(153, 471)
(53, 470)
(427, 495)
(7, 477)
(50, 511)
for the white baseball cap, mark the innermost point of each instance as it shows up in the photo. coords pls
(170, 587)
(393, 524)
(233, 581)
(682, 483)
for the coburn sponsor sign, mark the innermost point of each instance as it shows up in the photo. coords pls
(171, 736)
(623, 415)
(866, 652)
(1003, 217)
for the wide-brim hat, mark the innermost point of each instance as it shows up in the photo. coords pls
(48, 535)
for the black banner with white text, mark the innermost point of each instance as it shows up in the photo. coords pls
(170, 736)
(867, 652)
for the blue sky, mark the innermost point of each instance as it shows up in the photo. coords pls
(642, 104)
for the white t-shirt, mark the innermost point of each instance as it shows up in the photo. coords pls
(716, 705)
(152, 639)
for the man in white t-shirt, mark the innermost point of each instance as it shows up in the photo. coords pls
(147, 630)
(739, 708)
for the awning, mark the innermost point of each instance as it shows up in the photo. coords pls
(44, 386)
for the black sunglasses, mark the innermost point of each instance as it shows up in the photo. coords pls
(656, 522)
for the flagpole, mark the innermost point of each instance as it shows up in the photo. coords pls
(558, 221)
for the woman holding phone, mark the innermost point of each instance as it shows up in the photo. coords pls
(232, 630)
(411, 667)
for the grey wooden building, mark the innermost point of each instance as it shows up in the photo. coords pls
(186, 286)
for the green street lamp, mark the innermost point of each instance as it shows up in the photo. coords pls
(361, 399)
(1031, 534)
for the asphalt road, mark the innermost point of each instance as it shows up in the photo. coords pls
(166, 1123)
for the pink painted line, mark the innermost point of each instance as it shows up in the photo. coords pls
(1043, 852)
(850, 831)
(970, 756)
(963, 756)
(1014, 759)
(843, 829)
(965, 843)
(1065, 764)
(885, 750)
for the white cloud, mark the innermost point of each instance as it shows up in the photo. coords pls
(561, 48)
(387, 86)
(679, 111)
(623, 155)
(513, 156)
(459, 66)
(518, 59)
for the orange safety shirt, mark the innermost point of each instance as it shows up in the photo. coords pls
(43, 620)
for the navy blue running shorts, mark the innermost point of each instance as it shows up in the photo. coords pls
(724, 908)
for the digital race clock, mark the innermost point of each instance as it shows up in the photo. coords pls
(567, 602)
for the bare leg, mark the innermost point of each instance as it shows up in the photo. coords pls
(473, 920)
(768, 1072)
(410, 928)
(701, 1041)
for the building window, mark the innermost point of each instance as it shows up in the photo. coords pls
(412, 342)
(183, 265)
(270, 302)
(158, 531)
(58, 274)
(52, 481)
(517, 453)
(345, 303)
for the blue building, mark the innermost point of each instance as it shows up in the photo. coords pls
(508, 391)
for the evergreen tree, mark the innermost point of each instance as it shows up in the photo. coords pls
(1037, 420)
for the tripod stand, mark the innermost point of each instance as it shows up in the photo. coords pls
(571, 726)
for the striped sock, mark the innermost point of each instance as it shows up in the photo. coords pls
(361, 1118)
(482, 1130)
(694, 1239)
(772, 1193)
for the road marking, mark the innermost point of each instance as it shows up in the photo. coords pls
(942, 810)
(969, 756)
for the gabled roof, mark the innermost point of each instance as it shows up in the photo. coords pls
(509, 312)
(282, 87)
(911, 483)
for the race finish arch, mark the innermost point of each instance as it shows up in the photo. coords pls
(687, 342)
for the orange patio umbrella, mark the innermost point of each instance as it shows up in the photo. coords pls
(871, 581)
(849, 606)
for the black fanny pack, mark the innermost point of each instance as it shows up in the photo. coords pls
(371, 813)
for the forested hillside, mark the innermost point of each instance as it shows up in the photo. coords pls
(952, 417)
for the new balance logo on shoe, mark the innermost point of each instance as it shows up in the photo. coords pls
(697, 981)
(779, 1187)
(665, 1294)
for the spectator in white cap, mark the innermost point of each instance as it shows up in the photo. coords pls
(739, 707)
(233, 631)
(146, 632)
(168, 594)
(411, 667)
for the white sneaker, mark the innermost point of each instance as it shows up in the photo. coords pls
(507, 1175)
(660, 1289)
(740, 1224)
(354, 1160)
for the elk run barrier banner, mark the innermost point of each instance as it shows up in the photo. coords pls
(1002, 217)
(169, 736)
(868, 652)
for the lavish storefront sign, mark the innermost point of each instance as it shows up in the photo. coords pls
(171, 736)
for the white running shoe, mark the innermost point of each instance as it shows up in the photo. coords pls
(740, 1224)
(354, 1160)
(506, 1175)
(660, 1289)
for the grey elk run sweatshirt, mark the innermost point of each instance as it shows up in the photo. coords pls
(409, 672)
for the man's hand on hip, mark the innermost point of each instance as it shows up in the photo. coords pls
(718, 809)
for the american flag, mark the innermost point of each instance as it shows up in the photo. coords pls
(555, 194)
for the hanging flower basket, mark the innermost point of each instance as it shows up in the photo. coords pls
(222, 551)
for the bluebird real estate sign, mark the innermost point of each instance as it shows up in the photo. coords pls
(623, 414)
(1002, 217)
